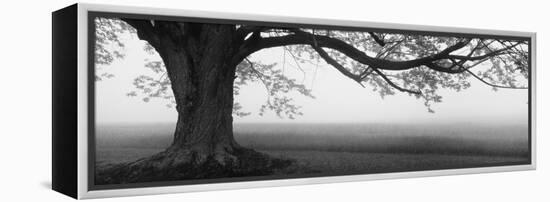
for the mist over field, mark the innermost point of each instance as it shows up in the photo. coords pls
(342, 148)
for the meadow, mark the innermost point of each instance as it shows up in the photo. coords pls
(343, 148)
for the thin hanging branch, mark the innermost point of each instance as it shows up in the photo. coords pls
(393, 84)
(260, 76)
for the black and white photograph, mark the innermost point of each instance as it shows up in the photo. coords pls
(275, 101)
(193, 100)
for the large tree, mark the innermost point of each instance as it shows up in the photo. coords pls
(205, 64)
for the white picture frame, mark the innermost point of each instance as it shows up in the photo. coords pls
(81, 164)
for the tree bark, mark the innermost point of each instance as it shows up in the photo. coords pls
(202, 81)
(201, 72)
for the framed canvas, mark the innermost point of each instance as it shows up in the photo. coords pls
(150, 100)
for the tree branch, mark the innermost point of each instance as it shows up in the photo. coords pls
(386, 52)
(357, 78)
(296, 61)
(492, 53)
(318, 42)
(243, 31)
(337, 65)
(145, 30)
(377, 39)
(304, 38)
(395, 85)
(260, 76)
(490, 84)
(461, 66)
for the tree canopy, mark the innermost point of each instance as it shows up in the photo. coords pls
(389, 62)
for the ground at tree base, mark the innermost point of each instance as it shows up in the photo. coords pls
(286, 164)
(170, 166)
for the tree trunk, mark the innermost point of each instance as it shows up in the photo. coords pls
(202, 81)
(202, 74)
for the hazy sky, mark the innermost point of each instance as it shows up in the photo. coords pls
(338, 99)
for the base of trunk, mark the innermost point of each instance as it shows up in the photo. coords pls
(185, 164)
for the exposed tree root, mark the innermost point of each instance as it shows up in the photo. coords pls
(185, 164)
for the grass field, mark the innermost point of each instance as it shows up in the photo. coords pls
(343, 148)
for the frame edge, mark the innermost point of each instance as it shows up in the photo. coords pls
(64, 68)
